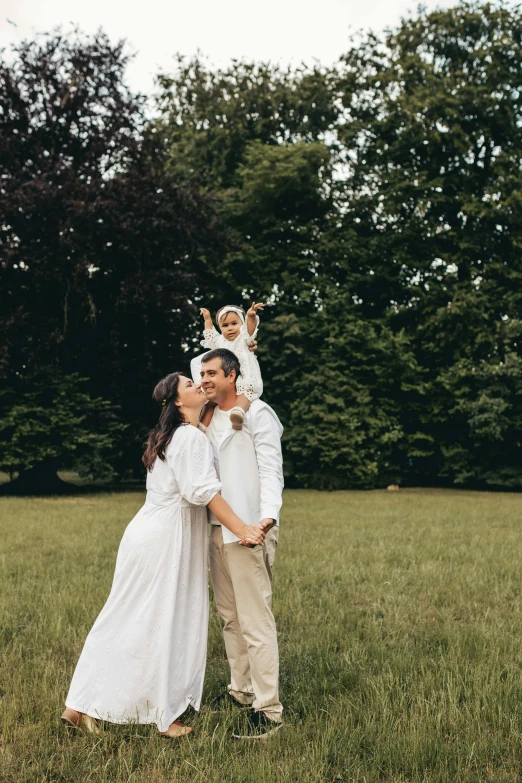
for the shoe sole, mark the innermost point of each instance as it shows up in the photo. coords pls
(267, 734)
(236, 421)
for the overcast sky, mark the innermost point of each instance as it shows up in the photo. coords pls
(285, 31)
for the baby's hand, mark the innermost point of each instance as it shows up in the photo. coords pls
(255, 307)
(205, 313)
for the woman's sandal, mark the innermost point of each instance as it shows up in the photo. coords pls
(176, 729)
(78, 720)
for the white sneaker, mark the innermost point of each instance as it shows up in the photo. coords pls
(237, 417)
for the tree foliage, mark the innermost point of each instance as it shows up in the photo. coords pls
(101, 246)
(375, 205)
(51, 421)
(394, 193)
(434, 140)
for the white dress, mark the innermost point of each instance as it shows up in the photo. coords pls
(144, 658)
(250, 382)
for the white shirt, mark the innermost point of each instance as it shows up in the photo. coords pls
(221, 426)
(249, 464)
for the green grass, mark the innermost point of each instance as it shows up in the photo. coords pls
(400, 627)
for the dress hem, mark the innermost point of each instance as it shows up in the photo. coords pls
(190, 702)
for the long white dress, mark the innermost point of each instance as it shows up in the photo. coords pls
(144, 658)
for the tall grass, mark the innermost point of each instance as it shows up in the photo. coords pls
(400, 627)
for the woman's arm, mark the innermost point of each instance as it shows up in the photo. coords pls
(253, 534)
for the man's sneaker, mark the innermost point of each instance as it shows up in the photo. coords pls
(237, 417)
(256, 726)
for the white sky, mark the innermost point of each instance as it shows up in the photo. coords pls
(284, 31)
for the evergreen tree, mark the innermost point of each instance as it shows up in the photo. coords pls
(431, 225)
(101, 247)
(50, 422)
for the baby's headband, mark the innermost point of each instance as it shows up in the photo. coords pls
(230, 309)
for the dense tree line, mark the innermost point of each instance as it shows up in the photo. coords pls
(376, 205)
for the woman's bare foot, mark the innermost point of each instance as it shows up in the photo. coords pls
(176, 729)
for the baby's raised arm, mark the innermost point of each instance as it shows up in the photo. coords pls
(251, 316)
(208, 318)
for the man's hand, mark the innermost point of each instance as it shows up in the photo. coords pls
(253, 346)
(254, 536)
(264, 526)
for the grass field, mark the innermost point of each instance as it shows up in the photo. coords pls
(400, 627)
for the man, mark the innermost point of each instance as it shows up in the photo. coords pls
(250, 467)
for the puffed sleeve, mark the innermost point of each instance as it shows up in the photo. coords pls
(192, 461)
(211, 339)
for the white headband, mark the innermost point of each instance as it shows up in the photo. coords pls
(231, 309)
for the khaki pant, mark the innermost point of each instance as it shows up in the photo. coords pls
(242, 581)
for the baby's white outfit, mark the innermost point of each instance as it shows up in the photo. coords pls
(250, 382)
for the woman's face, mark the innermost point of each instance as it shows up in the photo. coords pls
(190, 395)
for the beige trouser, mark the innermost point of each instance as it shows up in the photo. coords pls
(242, 581)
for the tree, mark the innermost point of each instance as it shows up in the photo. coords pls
(101, 247)
(432, 225)
(50, 422)
(209, 118)
(339, 383)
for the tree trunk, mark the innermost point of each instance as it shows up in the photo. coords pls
(42, 479)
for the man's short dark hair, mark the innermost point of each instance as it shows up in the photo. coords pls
(229, 360)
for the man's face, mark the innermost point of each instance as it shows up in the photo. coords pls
(213, 381)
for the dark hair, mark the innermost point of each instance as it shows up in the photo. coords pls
(229, 360)
(238, 307)
(165, 393)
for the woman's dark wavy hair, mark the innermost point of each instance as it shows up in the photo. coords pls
(165, 393)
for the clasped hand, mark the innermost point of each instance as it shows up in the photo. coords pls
(257, 533)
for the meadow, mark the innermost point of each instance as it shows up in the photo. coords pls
(400, 626)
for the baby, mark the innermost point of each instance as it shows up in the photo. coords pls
(238, 331)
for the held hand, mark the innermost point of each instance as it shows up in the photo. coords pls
(253, 346)
(255, 307)
(252, 536)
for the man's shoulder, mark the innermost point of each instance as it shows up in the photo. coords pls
(259, 405)
(260, 411)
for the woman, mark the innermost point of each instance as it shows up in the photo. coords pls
(144, 658)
